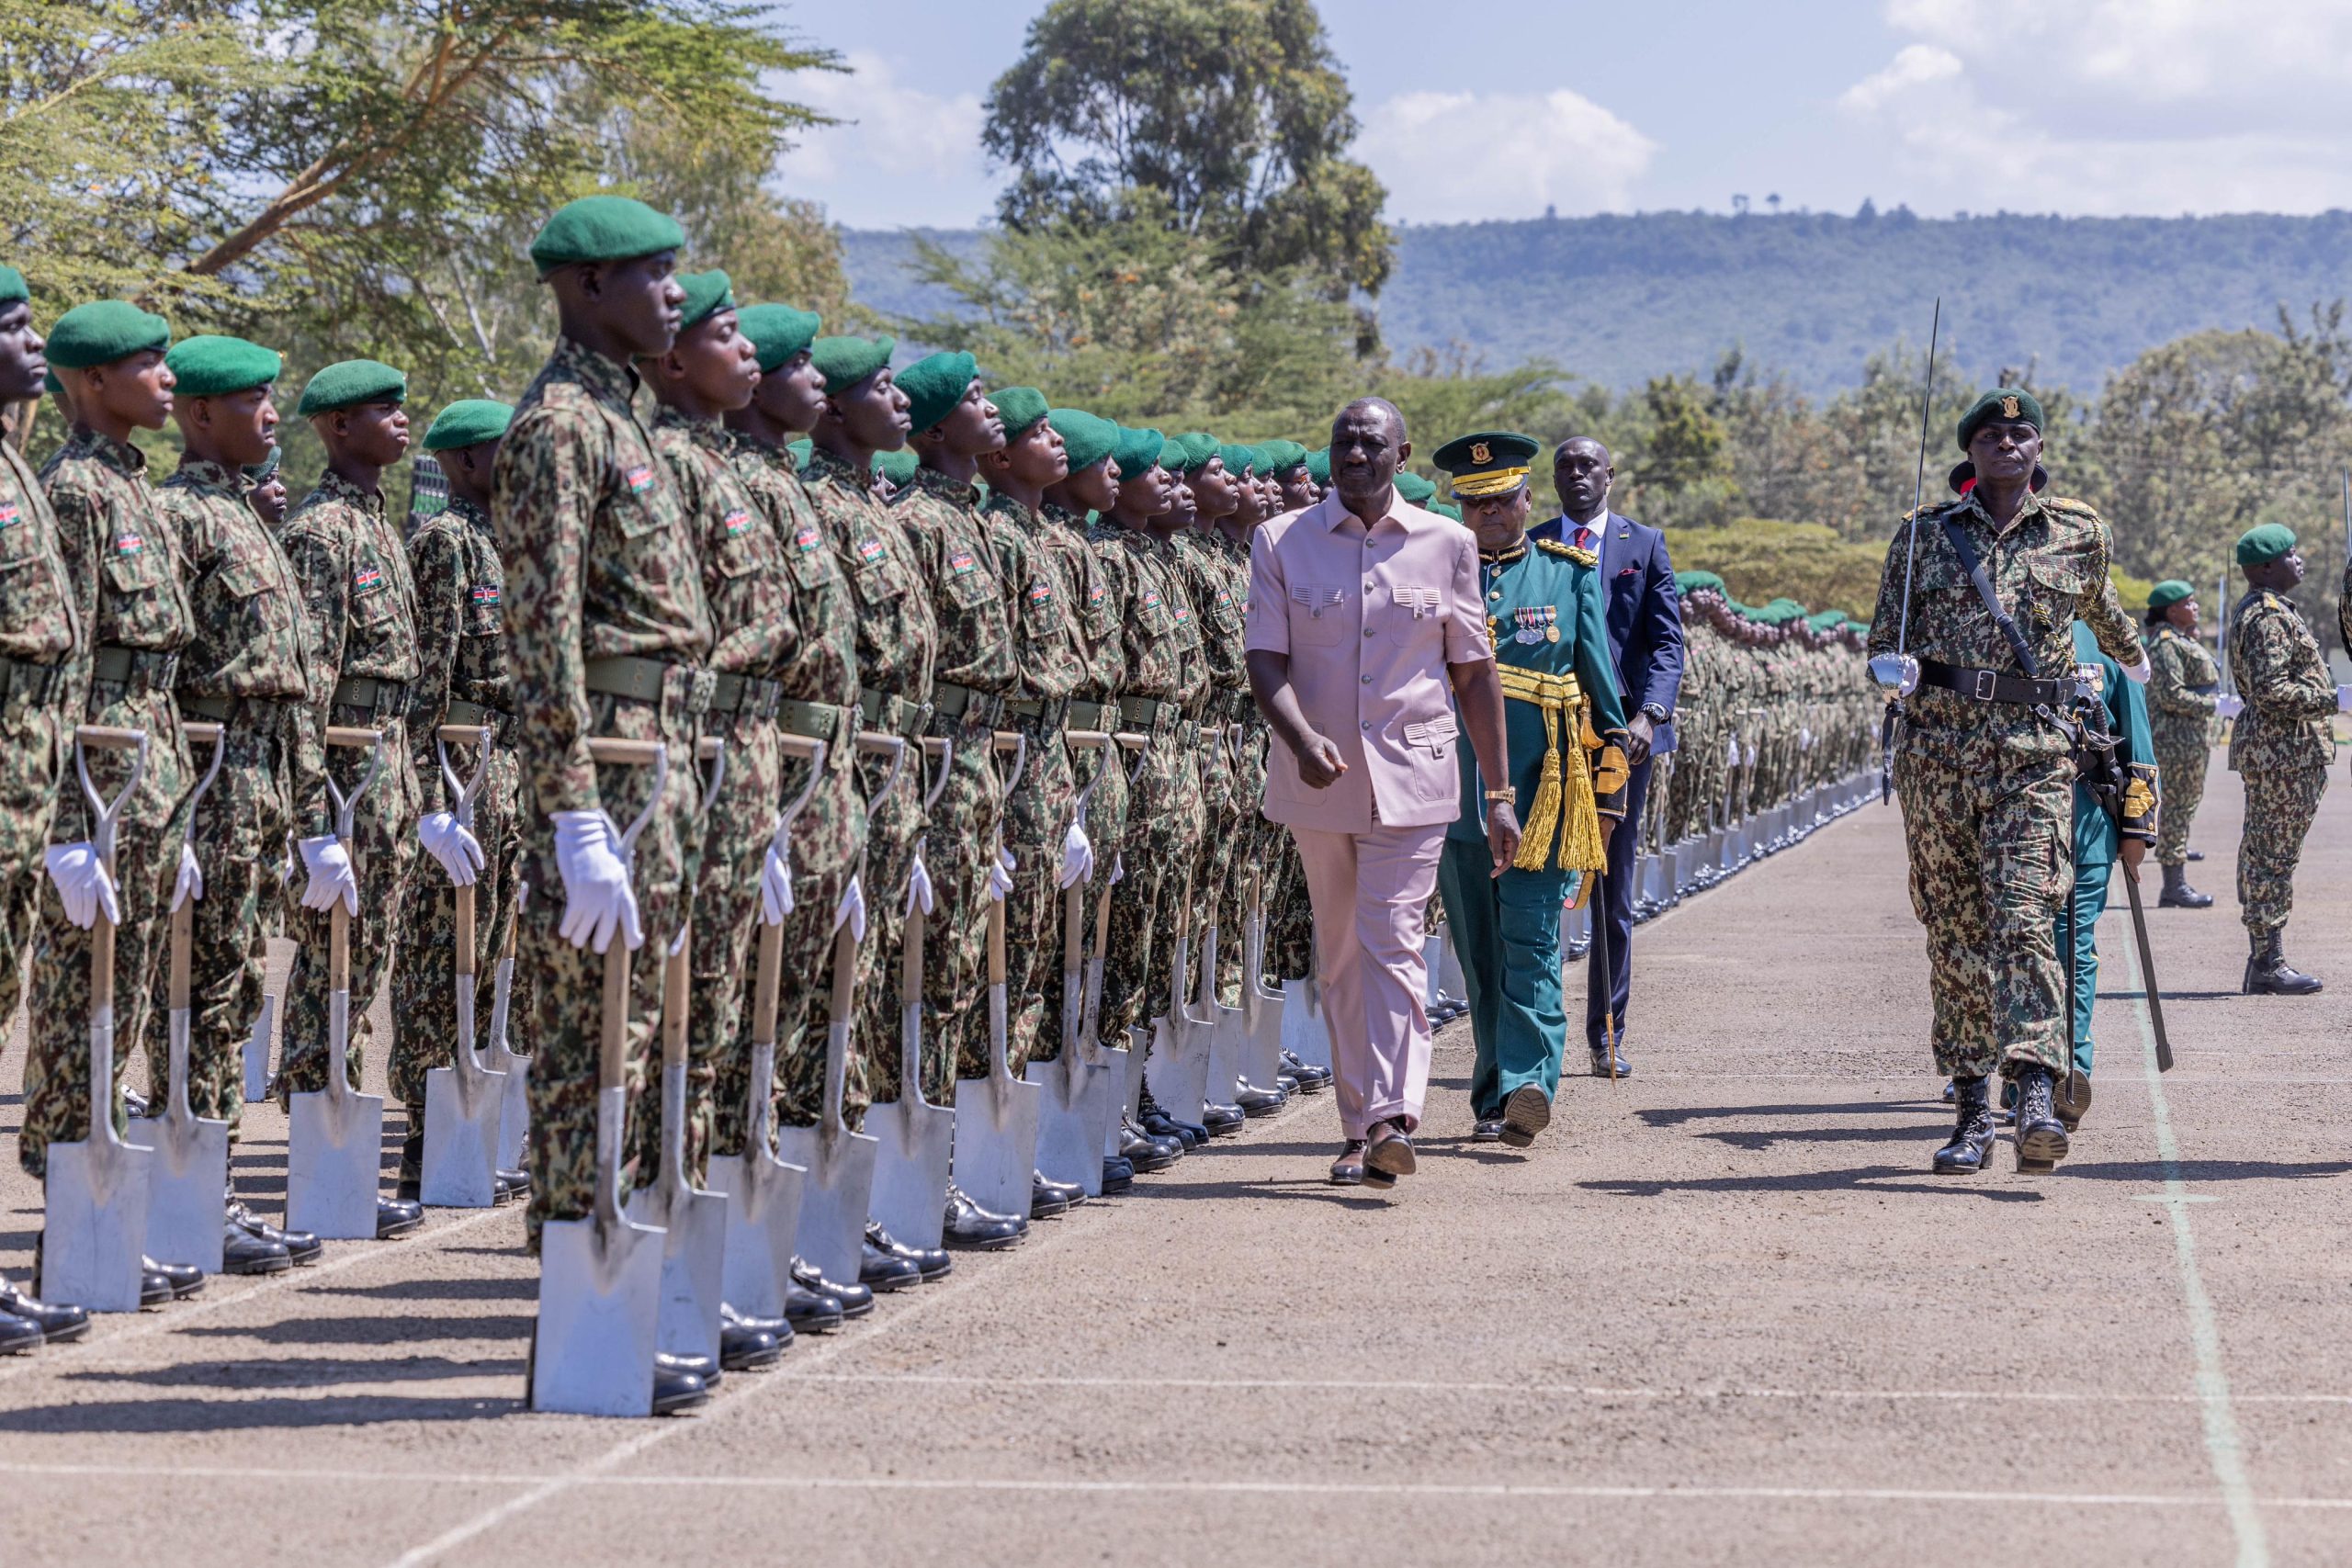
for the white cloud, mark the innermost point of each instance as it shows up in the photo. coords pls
(900, 156)
(1454, 157)
(2117, 105)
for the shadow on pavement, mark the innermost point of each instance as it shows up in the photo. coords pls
(1676, 1117)
(306, 1371)
(1867, 1177)
(368, 1331)
(245, 1415)
(2208, 1170)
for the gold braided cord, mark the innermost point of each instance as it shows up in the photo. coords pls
(1564, 806)
(1495, 481)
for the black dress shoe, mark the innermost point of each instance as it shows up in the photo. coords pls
(974, 1229)
(856, 1300)
(18, 1334)
(1118, 1176)
(135, 1104)
(742, 1348)
(154, 1290)
(878, 1270)
(506, 1186)
(2197, 854)
(186, 1280)
(810, 1311)
(1160, 1124)
(677, 1391)
(779, 1326)
(1388, 1152)
(932, 1263)
(1310, 1078)
(1044, 1203)
(301, 1246)
(1222, 1121)
(1972, 1138)
(1487, 1130)
(1256, 1102)
(395, 1217)
(59, 1323)
(1285, 1085)
(242, 1252)
(702, 1367)
(1144, 1155)
(1600, 1064)
(1071, 1192)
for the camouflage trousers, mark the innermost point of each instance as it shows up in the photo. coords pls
(1107, 824)
(383, 855)
(2279, 805)
(2181, 777)
(827, 841)
(1991, 839)
(959, 834)
(894, 826)
(1038, 817)
(147, 857)
(1290, 916)
(567, 982)
(1165, 822)
(35, 769)
(425, 977)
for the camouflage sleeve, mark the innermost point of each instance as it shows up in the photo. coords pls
(317, 552)
(2285, 686)
(439, 567)
(2168, 687)
(2101, 610)
(80, 527)
(549, 469)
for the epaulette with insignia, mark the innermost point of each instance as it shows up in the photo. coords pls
(1932, 509)
(2072, 508)
(1554, 547)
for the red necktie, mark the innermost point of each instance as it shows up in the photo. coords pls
(1584, 538)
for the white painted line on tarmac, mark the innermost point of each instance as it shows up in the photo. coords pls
(2222, 1449)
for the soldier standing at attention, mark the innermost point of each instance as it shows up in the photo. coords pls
(2182, 697)
(461, 680)
(1985, 760)
(1550, 630)
(2282, 747)
(269, 498)
(594, 541)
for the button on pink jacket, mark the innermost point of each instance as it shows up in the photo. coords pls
(1370, 621)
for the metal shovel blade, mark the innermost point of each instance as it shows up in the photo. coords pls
(1070, 1096)
(461, 1110)
(335, 1148)
(1229, 1040)
(186, 1207)
(257, 1052)
(600, 1291)
(94, 1227)
(1304, 1033)
(996, 1129)
(693, 1226)
(1138, 1053)
(913, 1144)
(763, 1206)
(514, 1101)
(837, 1193)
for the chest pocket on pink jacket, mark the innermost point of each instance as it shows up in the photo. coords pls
(1320, 617)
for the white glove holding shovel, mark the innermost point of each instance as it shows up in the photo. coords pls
(82, 882)
(851, 910)
(189, 883)
(1000, 876)
(919, 894)
(597, 898)
(332, 875)
(447, 841)
(775, 883)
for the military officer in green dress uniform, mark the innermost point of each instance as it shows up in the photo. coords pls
(1567, 730)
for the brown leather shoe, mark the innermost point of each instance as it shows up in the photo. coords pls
(1390, 1152)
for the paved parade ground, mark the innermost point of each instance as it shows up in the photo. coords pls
(1719, 1314)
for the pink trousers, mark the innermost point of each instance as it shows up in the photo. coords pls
(1370, 892)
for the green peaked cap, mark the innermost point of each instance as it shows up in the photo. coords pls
(1138, 452)
(707, 293)
(2001, 402)
(2265, 543)
(777, 331)
(1088, 438)
(2169, 592)
(212, 367)
(603, 228)
(1021, 408)
(934, 385)
(102, 332)
(350, 383)
(843, 362)
(467, 422)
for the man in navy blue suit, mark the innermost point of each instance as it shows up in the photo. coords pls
(1646, 638)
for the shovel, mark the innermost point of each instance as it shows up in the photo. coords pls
(514, 1105)
(1228, 1039)
(763, 1191)
(1125, 1062)
(693, 1220)
(1077, 1092)
(94, 1233)
(462, 1101)
(839, 1189)
(916, 1138)
(335, 1138)
(600, 1278)
(257, 1051)
(996, 1116)
(1262, 1005)
(1181, 1040)
(187, 1208)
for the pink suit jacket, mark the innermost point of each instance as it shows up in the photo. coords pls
(1369, 620)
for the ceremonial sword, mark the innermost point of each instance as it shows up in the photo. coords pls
(1897, 674)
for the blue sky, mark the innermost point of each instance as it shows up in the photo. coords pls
(2159, 106)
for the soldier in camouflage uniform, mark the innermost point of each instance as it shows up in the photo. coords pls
(461, 680)
(2182, 693)
(1986, 769)
(2282, 747)
(246, 668)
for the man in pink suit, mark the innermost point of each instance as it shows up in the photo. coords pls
(1367, 634)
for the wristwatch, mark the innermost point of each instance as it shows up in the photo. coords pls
(1507, 795)
(1658, 713)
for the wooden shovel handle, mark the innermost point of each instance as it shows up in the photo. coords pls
(352, 736)
(338, 946)
(675, 973)
(996, 941)
(102, 965)
(616, 752)
(466, 931)
(614, 1035)
(1074, 928)
(911, 958)
(844, 973)
(108, 738)
(183, 946)
(768, 986)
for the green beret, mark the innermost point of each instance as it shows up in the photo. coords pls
(2169, 592)
(1280, 457)
(777, 331)
(1413, 489)
(261, 473)
(2262, 544)
(1238, 460)
(1318, 465)
(707, 293)
(934, 385)
(103, 332)
(1021, 408)
(2003, 402)
(12, 286)
(603, 228)
(898, 467)
(1088, 438)
(1698, 582)
(843, 362)
(466, 421)
(1174, 454)
(1138, 452)
(214, 366)
(52, 385)
(1491, 462)
(350, 383)
(801, 450)
(1446, 508)
(1828, 621)
(1199, 447)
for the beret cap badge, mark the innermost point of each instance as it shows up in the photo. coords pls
(2008, 408)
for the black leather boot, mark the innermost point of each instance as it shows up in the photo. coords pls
(2266, 974)
(676, 1390)
(2178, 894)
(1256, 1102)
(1161, 1125)
(974, 1229)
(1971, 1139)
(743, 1349)
(931, 1263)
(856, 1298)
(396, 1216)
(243, 1252)
(57, 1322)
(810, 1311)
(1146, 1153)
(2040, 1136)
(1222, 1121)
(18, 1334)
(883, 1271)
(185, 1279)
(300, 1245)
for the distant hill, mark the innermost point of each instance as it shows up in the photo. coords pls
(1621, 298)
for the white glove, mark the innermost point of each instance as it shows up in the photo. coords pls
(1118, 868)
(1731, 756)
(851, 908)
(919, 894)
(82, 884)
(1078, 856)
(597, 898)
(2229, 704)
(776, 884)
(1000, 876)
(447, 841)
(189, 883)
(330, 875)
(2344, 699)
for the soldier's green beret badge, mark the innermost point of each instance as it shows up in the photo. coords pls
(1493, 462)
